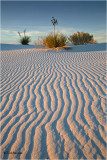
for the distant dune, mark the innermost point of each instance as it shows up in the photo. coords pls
(89, 47)
(75, 48)
(15, 46)
(53, 104)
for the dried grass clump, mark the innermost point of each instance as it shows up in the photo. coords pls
(54, 41)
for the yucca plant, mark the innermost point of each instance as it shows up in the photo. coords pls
(24, 40)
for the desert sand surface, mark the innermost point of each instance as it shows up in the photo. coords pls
(15, 46)
(53, 103)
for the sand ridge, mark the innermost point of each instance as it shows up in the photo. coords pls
(53, 104)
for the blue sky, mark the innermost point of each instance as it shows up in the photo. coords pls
(35, 17)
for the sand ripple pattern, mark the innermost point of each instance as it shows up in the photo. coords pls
(53, 104)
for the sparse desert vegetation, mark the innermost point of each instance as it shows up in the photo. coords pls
(25, 40)
(81, 38)
(54, 41)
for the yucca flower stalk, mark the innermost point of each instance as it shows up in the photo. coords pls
(54, 22)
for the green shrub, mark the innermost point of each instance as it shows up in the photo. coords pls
(80, 38)
(24, 40)
(51, 41)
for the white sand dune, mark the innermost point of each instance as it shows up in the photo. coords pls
(15, 46)
(53, 104)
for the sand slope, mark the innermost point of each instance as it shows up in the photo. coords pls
(15, 46)
(53, 104)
